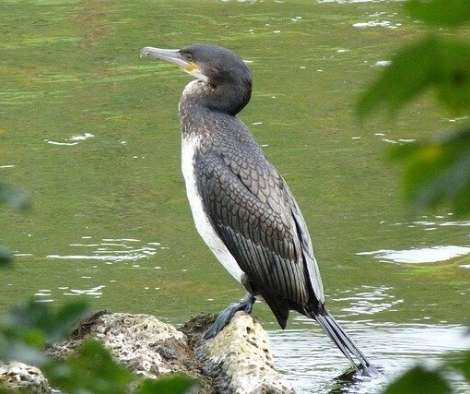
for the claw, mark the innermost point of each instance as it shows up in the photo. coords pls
(224, 318)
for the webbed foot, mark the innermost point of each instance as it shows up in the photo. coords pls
(224, 318)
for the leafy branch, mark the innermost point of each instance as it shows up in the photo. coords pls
(27, 328)
(437, 171)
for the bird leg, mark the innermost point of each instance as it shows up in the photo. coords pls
(224, 318)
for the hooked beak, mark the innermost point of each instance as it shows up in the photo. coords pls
(174, 56)
(170, 55)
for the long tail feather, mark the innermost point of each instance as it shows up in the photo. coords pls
(342, 340)
(334, 337)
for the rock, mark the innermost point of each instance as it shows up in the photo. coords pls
(142, 343)
(17, 376)
(237, 361)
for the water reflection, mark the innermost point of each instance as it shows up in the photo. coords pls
(383, 63)
(111, 250)
(94, 292)
(448, 223)
(419, 255)
(368, 300)
(74, 140)
(312, 363)
(376, 23)
(45, 295)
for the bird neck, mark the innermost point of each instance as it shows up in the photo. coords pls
(227, 97)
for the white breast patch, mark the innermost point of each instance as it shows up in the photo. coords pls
(203, 226)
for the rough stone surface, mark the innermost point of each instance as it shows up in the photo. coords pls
(18, 376)
(239, 360)
(142, 343)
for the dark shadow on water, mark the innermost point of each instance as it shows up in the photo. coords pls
(345, 382)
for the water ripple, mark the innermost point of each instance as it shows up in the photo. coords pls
(313, 363)
(419, 255)
(368, 300)
(74, 140)
(111, 250)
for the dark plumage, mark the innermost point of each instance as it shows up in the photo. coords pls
(250, 207)
(242, 207)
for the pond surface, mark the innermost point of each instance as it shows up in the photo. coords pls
(91, 131)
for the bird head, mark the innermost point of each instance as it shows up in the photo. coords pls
(225, 77)
(211, 64)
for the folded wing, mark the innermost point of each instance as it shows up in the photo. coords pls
(257, 218)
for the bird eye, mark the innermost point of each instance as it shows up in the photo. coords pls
(188, 56)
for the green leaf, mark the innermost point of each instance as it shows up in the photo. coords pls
(65, 319)
(13, 197)
(29, 326)
(438, 172)
(419, 380)
(55, 324)
(6, 256)
(439, 64)
(177, 384)
(19, 351)
(90, 369)
(440, 12)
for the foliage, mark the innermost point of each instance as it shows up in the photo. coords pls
(27, 328)
(437, 171)
(440, 12)
(166, 385)
(430, 382)
(90, 369)
(432, 63)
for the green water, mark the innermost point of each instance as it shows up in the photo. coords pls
(110, 218)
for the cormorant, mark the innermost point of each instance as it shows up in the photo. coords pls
(241, 206)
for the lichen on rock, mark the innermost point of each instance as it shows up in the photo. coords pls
(237, 361)
(18, 376)
(142, 343)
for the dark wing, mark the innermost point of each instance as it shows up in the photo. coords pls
(310, 261)
(259, 221)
